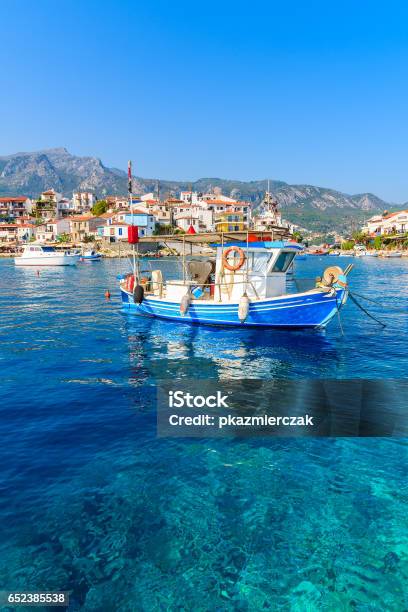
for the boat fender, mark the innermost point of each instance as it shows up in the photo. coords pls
(138, 294)
(243, 308)
(130, 283)
(185, 304)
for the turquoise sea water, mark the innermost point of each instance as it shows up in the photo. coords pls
(92, 502)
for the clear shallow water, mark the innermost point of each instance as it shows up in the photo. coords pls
(91, 501)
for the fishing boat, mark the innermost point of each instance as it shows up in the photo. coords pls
(392, 254)
(91, 256)
(40, 255)
(245, 285)
(372, 254)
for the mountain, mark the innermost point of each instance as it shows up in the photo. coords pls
(316, 208)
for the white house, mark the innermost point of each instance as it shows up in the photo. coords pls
(118, 222)
(65, 207)
(114, 232)
(14, 206)
(184, 223)
(25, 232)
(392, 223)
(201, 214)
(49, 231)
(8, 232)
(83, 200)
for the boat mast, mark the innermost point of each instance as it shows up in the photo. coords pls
(135, 268)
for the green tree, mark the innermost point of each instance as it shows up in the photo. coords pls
(161, 230)
(359, 237)
(88, 238)
(64, 237)
(298, 236)
(378, 243)
(100, 207)
(347, 245)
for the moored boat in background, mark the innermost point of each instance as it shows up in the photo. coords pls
(40, 255)
(391, 254)
(91, 256)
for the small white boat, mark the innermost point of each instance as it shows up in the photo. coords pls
(360, 250)
(91, 256)
(39, 255)
(392, 254)
(372, 254)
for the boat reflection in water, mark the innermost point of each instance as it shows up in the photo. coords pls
(168, 351)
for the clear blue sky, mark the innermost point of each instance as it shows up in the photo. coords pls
(309, 92)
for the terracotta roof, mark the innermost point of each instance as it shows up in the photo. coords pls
(82, 218)
(398, 212)
(226, 203)
(14, 199)
(6, 225)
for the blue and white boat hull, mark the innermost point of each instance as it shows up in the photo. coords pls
(313, 309)
(86, 258)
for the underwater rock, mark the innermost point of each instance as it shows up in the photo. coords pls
(305, 595)
(391, 561)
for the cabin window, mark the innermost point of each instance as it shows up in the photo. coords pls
(258, 262)
(283, 262)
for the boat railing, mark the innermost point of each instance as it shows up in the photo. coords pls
(160, 285)
(187, 283)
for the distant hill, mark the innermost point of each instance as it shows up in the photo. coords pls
(316, 208)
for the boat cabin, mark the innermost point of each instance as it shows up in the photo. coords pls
(258, 269)
(262, 274)
(34, 250)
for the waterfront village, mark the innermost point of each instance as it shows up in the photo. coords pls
(83, 220)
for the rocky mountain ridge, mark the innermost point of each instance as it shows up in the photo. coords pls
(317, 208)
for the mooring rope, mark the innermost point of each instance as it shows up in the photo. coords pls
(366, 311)
(363, 297)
